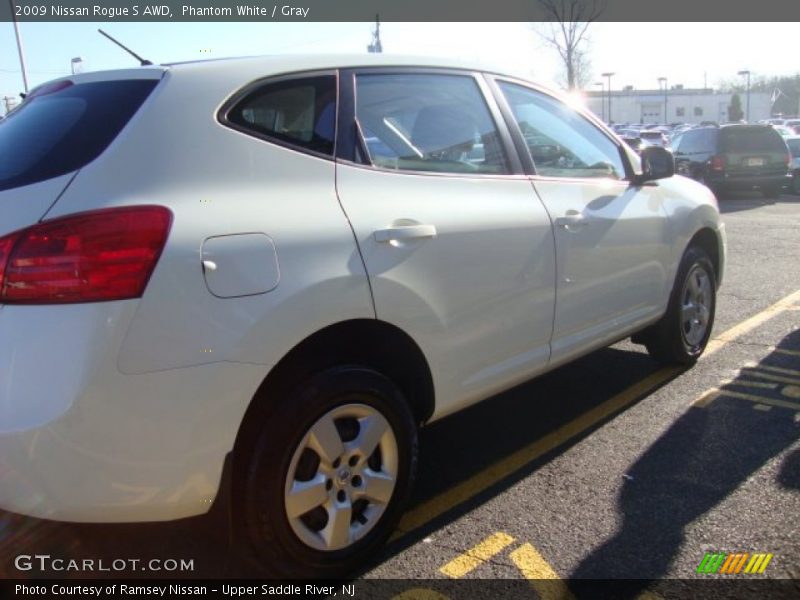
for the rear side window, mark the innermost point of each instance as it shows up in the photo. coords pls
(298, 112)
(53, 133)
(698, 141)
(794, 147)
(752, 139)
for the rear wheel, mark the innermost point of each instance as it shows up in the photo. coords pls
(771, 191)
(796, 183)
(683, 332)
(329, 475)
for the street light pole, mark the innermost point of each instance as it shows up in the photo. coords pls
(664, 81)
(748, 91)
(19, 47)
(608, 78)
(602, 99)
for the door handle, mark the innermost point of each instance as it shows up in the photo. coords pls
(404, 232)
(572, 221)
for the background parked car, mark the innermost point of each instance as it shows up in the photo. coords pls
(654, 137)
(734, 157)
(794, 125)
(794, 148)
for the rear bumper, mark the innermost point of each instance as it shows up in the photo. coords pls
(731, 182)
(80, 441)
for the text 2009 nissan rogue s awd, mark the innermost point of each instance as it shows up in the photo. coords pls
(292, 263)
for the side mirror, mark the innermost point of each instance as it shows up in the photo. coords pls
(657, 163)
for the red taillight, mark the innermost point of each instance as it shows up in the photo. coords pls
(717, 163)
(788, 159)
(94, 256)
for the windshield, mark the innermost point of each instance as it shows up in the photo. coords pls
(56, 132)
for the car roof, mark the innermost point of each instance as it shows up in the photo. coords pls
(302, 62)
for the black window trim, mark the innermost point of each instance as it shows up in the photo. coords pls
(519, 140)
(347, 141)
(240, 94)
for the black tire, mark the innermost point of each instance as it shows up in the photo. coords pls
(771, 191)
(275, 536)
(796, 184)
(668, 341)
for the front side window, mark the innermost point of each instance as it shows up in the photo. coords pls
(427, 122)
(562, 142)
(300, 112)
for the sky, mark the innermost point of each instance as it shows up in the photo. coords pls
(692, 54)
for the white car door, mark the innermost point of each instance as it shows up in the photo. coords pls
(458, 248)
(612, 237)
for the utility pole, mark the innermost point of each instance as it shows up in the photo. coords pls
(608, 77)
(376, 47)
(19, 47)
(602, 100)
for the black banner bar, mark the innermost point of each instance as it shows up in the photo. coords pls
(389, 10)
(710, 587)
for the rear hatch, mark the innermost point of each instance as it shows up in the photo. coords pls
(60, 127)
(753, 151)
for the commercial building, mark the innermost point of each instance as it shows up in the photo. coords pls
(682, 105)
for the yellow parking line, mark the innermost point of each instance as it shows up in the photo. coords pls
(531, 564)
(787, 352)
(751, 323)
(779, 370)
(791, 391)
(427, 511)
(542, 577)
(771, 377)
(706, 398)
(761, 399)
(752, 384)
(475, 556)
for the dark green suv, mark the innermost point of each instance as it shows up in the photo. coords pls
(734, 157)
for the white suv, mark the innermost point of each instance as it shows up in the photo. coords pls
(284, 266)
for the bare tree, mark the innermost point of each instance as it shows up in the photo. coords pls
(567, 34)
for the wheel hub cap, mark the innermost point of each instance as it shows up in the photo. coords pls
(696, 305)
(341, 477)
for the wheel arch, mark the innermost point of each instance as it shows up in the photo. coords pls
(707, 239)
(366, 342)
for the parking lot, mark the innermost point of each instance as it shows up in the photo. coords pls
(608, 468)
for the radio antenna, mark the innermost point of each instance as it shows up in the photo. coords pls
(142, 61)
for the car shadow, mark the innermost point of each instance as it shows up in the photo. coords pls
(694, 466)
(451, 451)
(738, 201)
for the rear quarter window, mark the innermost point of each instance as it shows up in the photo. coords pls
(763, 139)
(299, 112)
(55, 133)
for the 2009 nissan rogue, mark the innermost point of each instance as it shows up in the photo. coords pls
(292, 263)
